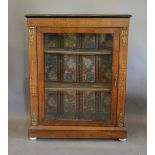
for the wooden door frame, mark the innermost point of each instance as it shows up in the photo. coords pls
(40, 65)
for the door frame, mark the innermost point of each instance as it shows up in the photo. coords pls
(40, 66)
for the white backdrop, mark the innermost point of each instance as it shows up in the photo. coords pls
(18, 81)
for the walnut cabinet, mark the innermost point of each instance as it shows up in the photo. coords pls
(77, 75)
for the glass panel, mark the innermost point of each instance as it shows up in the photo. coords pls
(60, 105)
(88, 107)
(73, 105)
(105, 106)
(69, 68)
(71, 41)
(89, 41)
(51, 106)
(69, 105)
(52, 40)
(88, 69)
(51, 67)
(106, 68)
(105, 40)
(78, 86)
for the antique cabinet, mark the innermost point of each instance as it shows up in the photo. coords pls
(77, 75)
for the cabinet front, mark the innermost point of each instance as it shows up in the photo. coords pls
(77, 76)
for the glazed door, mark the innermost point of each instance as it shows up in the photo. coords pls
(77, 76)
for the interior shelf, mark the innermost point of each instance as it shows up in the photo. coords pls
(79, 51)
(59, 86)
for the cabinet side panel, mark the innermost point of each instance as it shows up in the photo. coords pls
(122, 76)
(33, 76)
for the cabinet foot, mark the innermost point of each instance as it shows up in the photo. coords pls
(33, 138)
(122, 139)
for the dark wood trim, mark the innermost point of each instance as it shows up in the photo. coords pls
(78, 16)
(71, 132)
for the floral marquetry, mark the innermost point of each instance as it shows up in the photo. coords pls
(51, 107)
(69, 68)
(51, 67)
(89, 102)
(52, 41)
(88, 108)
(105, 106)
(71, 41)
(105, 41)
(69, 105)
(106, 68)
(77, 41)
(89, 41)
(88, 68)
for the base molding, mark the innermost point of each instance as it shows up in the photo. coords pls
(77, 132)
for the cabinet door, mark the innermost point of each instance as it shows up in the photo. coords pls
(77, 76)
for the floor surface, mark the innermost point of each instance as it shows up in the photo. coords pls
(135, 144)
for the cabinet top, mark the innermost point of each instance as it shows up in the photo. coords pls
(78, 16)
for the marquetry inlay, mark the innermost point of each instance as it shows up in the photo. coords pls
(32, 80)
(124, 36)
(120, 122)
(34, 118)
(31, 36)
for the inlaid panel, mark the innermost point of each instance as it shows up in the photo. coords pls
(52, 40)
(105, 41)
(82, 72)
(89, 41)
(106, 68)
(82, 105)
(51, 67)
(51, 106)
(69, 68)
(89, 102)
(88, 106)
(71, 41)
(88, 69)
(69, 105)
(105, 106)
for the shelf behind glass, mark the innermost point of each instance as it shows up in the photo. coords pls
(78, 51)
(55, 86)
